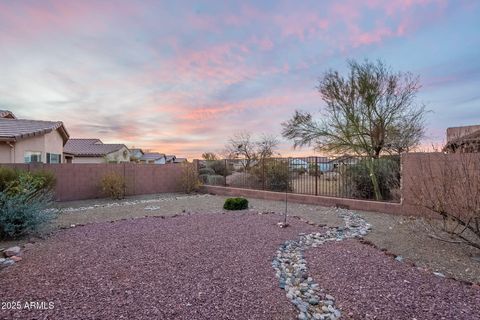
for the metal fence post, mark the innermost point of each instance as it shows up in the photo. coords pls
(263, 173)
(225, 173)
(316, 176)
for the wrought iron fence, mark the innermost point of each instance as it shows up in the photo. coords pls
(343, 177)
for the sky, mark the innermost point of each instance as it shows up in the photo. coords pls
(180, 77)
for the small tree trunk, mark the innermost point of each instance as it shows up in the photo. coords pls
(373, 178)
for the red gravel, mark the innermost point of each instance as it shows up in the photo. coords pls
(187, 267)
(368, 284)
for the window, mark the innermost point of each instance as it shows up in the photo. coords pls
(32, 157)
(54, 158)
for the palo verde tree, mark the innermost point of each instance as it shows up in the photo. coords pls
(370, 111)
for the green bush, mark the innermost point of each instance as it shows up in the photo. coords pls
(25, 181)
(206, 171)
(44, 179)
(113, 185)
(24, 212)
(7, 176)
(386, 171)
(215, 180)
(235, 204)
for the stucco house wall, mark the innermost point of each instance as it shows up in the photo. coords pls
(5, 153)
(122, 155)
(51, 142)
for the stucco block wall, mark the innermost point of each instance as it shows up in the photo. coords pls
(82, 181)
(88, 160)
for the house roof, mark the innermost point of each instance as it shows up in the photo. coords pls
(7, 114)
(152, 156)
(170, 157)
(90, 147)
(136, 150)
(12, 129)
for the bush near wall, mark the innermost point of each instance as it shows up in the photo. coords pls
(387, 172)
(24, 200)
(113, 185)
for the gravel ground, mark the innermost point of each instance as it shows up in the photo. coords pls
(368, 284)
(397, 234)
(208, 266)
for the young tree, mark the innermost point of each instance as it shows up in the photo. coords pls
(369, 111)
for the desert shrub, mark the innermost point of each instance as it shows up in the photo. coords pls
(7, 176)
(206, 171)
(386, 171)
(215, 180)
(277, 176)
(203, 178)
(235, 204)
(219, 167)
(189, 180)
(44, 179)
(24, 212)
(113, 185)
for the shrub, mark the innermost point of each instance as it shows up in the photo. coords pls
(215, 180)
(7, 176)
(219, 167)
(386, 171)
(24, 212)
(203, 178)
(113, 185)
(277, 176)
(44, 179)
(235, 204)
(189, 180)
(206, 171)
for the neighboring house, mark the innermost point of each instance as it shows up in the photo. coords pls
(30, 141)
(136, 154)
(154, 158)
(170, 158)
(463, 139)
(95, 151)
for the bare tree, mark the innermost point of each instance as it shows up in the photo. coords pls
(209, 156)
(364, 114)
(243, 146)
(449, 187)
(267, 146)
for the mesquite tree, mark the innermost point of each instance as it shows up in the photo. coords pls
(370, 111)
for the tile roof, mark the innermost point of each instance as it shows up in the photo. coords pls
(152, 156)
(7, 114)
(90, 147)
(17, 129)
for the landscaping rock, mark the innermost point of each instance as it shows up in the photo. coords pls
(16, 258)
(291, 267)
(12, 251)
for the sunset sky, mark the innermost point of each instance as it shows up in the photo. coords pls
(181, 76)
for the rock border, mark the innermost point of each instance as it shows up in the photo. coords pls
(291, 268)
